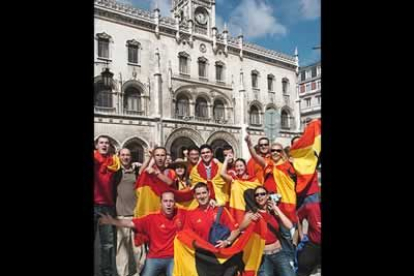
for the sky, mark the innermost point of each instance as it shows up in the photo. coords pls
(280, 25)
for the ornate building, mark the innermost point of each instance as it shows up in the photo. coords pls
(310, 91)
(178, 81)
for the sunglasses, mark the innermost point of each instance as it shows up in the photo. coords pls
(264, 145)
(260, 194)
(276, 150)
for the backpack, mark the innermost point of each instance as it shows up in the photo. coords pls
(217, 230)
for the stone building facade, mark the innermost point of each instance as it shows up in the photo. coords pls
(310, 92)
(178, 81)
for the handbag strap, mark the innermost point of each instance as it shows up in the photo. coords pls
(280, 237)
(220, 210)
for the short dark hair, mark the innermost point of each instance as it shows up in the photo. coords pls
(166, 192)
(163, 148)
(205, 146)
(103, 136)
(193, 147)
(260, 187)
(263, 138)
(200, 185)
(241, 160)
(227, 147)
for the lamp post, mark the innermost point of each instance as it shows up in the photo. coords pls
(107, 78)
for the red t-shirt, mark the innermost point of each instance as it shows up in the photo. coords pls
(270, 236)
(103, 180)
(200, 220)
(161, 232)
(312, 213)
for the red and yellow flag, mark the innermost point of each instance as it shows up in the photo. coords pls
(219, 189)
(305, 153)
(149, 189)
(194, 256)
(238, 194)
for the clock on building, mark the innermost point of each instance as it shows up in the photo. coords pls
(201, 17)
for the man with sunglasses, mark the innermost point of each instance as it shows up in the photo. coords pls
(254, 168)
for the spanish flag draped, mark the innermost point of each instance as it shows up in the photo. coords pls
(254, 168)
(194, 256)
(149, 189)
(219, 189)
(241, 197)
(305, 153)
(282, 176)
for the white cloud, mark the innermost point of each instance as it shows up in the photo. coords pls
(256, 19)
(310, 9)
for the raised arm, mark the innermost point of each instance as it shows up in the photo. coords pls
(157, 172)
(149, 162)
(278, 213)
(253, 153)
(223, 172)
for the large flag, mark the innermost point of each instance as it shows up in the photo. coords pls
(149, 189)
(254, 168)
(219, 189)
(305, 153)
(242, 197)
(194, 256)
(285, 186)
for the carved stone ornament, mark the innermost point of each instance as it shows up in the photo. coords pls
(203, 48)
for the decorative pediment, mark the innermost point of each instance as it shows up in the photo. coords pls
(220, 63)
(202, 59)
(103, 35)
(133, 42)
(183, 54)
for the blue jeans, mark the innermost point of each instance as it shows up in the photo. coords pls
(278, 264)
(107, 237)
(154, 266)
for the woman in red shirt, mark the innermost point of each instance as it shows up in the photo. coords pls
(275, 260)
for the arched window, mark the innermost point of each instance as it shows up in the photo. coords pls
(218, 110)
(201, 108)
(202, 67)
(285, 86)
(255, 79)
(103, 96)
(270, 80)
(182, 108)
(285, 120)
(220, 71)
(254, 116)
(103, 45)
(132, 101)
(183, 59)
(133, 51)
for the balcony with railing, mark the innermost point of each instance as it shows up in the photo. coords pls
(105, 109)
(134, 112)
(203, 119)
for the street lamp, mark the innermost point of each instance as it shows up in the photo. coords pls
(107, 78)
